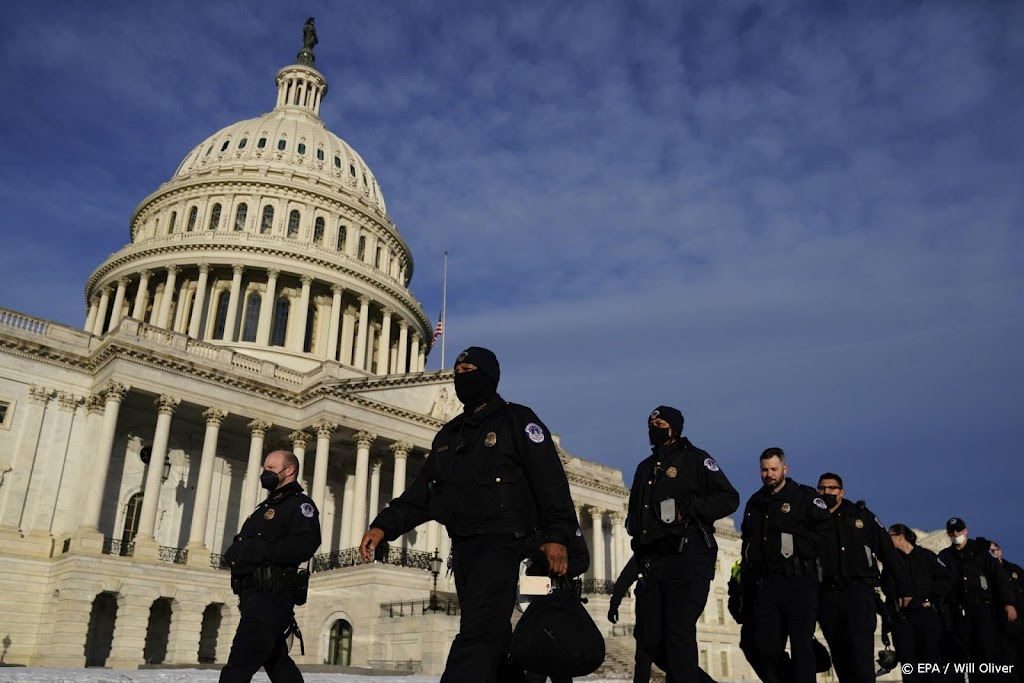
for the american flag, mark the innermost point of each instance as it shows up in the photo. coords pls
(438, 331)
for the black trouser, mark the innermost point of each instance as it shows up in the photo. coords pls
(917, 637)
(975, 626)
(783, 607)
(641, 666)
(847, 617)
(260, 640)
(682, 601)
(486, 571)
(541, 678)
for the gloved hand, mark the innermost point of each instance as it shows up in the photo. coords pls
(613, 613)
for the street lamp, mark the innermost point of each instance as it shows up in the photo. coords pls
(435, 569)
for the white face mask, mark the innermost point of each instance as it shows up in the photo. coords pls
(960, 540)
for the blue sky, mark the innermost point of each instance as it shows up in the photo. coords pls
(799, 222)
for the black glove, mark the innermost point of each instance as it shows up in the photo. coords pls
(613, 613)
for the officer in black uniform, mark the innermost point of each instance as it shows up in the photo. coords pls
(493, 478)
(981, 599)
(629, 575)
(917, 625)
(849, 550)
(678, 492)
(1014, 635)
(781, 524)
(282, 533)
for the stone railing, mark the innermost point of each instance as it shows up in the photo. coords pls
(413, 666)
(437, 603)
(22, 322)
(399, 557)
(173, 555)
(25, 324)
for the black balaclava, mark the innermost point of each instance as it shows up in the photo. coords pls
(477, 386)
(659, 435)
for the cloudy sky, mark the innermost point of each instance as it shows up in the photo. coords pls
(801, 223)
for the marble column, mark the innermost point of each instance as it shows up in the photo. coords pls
(385, 342)
(196, 321)
(251, 488)
(422, 360)
(414, 353)
(204, 486)
(298, 340)
(114, 393)
(139, 309)
(300, 440)
(403, 346)
(364, 323)
(347, 506)
(181, 308)
(374, 504)
(115, 315)
(370, 336)
(348, 330)
(618, 561)
(332, 332)
(90, 318)
(168, 297)
(267, 309)
(324, 429)
(28, 456)
(99, 326)
(597, 544)
(232, 313)
(165, 406)
(401, 452)
(363, 442)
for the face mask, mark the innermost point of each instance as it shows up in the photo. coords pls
(474, 387)
(960, 540)
(830, 500)
(269, 480)
(659, 435)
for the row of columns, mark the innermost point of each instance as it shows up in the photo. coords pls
(616, 549)
(359, 336)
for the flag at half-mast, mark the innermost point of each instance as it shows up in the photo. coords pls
(438, 330)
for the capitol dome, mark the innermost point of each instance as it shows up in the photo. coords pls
(272, 237)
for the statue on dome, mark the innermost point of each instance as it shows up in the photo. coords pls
(309, 41)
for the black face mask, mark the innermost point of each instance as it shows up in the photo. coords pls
(474, 387)
(659, 435)
(830, 500)
(269, 480)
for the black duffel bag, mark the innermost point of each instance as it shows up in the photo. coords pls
(557, 637)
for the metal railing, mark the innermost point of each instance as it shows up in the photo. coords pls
(437, 603)
(173, 555)
(115, 546)
(399, 557)
(217, 561)
(598, 587)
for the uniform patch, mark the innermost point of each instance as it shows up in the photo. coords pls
(820, 503)
(269, 514)
(535, 433)
(490, 439)
(462, 356)
(671, 472)
(859, 523)
(307, 510)
(785, 507)
(711, 464)
(654, 416)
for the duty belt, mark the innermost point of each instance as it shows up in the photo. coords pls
(266, 580)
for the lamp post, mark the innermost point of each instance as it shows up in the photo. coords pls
(435, 569)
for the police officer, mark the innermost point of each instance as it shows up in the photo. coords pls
(917, 625)
(1013, 641)
(678, 492)
(981, 601)
(781, 524)
(493, 478)
(629, 575)
(282, 533)
(849, 549)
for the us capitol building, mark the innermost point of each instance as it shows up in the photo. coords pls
(261, 302)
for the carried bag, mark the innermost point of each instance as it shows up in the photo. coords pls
(557, 637)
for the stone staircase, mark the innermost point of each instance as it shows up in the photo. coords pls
(618, 659)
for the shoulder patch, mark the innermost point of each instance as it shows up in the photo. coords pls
(535, 433)
(820, 503)
(710, 463)
(307, 510)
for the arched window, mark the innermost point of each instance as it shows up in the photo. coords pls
(302, 148)
(281, 144)
(339, 650)
(170, 225)
(252, 317)
(158, 632)
(318, 231)
(221, 318)
(212, 618)
(192, 215)
(241, 145)
(337, 162)
(280, 326)
(262, 143)
(267, 224)
(215, 217)
(319, 155)
(352, 170)
(99, 636)
(225, 145)
(376, 258)
(342, 237)
(361, 253)
(208, 150)
(131, 523)
(293, 224)
(240, 214)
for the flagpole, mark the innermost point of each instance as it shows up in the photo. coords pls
(444, 308)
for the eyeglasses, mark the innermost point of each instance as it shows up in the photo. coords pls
(830, 488)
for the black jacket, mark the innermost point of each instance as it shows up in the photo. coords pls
(283, 531)
(930, 580)
(780, 531)
(627, 577)
(977, 576)
(492, 471)
(850, 547)
(1016, 576)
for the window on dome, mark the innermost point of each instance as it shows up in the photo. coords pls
(225, 145)
(267, 224)
(361, 253)
(208, 150)
(318, 231)
(170, 225)
(192, 215)
(215, 217)
(252, 317)
(352, 170)
(342, 236)
(221, 318)
(6, 410)
(293, 224)
(240, 214)
(320, 155)
(364, 180)
(262, 143)
(241, 145)
(337, 162)
(281, 144)
(280, 327)
(302, 148)
(376, 259)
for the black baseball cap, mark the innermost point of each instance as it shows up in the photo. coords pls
(955, 524)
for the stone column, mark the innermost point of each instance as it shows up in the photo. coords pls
(433, 537)
(251, 488)
(414, 354)
(130, 630)
(139, 309)
(168, 297)
(70, 619)
(198, 553)
(90, 318)
(597, 544)
(364, 323)
(298, 339)
(165, 406)
(347, 506)
(181, 308)
(371, 334)
(348, 330)
(374, 504)
(403, 345)
(267, 309)
(385, 343)
(115, 393)
(332, 332)
(101, 318)
(186, 629)
(197, 307)
(236, 288)
(618, 561)
(324, 429)
(363, 442)
(26, 457)
(401, 451)
(300, 440)
(115, 315)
